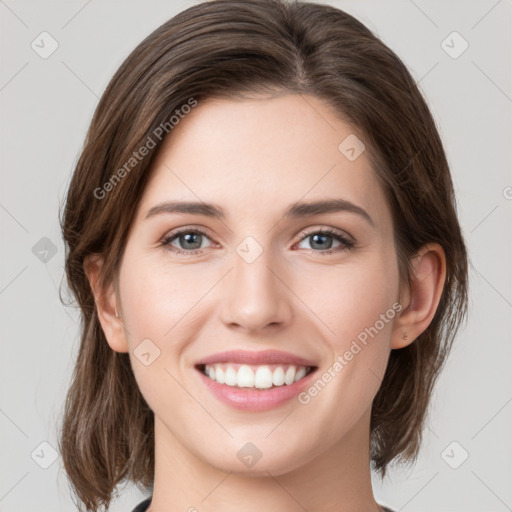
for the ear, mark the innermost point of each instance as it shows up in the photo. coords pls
(106, 305)
(421, 301)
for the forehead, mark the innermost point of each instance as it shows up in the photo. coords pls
(262, 153)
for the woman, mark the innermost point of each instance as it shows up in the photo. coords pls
(296, 342)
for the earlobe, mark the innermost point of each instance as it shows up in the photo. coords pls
(106, 305)
(427, 283)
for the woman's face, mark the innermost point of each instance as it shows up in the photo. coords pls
(260, 279)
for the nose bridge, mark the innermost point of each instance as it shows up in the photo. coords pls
(256, 296)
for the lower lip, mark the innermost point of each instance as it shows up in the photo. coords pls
(252, 399)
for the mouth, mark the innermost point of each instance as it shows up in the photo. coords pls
(264, 369)
(253, 376)
(255, 381)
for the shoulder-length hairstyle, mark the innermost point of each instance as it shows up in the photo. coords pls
(229, 49)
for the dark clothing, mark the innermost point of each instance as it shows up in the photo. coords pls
(143, 506)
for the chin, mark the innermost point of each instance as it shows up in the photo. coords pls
(249, 460)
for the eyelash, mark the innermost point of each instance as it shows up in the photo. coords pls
(347, 244)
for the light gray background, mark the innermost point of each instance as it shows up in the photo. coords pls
(47, 105)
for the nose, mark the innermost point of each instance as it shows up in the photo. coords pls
(255, 297)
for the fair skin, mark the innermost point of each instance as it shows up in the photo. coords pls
(254, 158)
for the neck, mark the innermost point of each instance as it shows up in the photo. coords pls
(336, 480)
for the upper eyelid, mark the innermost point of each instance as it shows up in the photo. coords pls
(173, 232)
(330, 231)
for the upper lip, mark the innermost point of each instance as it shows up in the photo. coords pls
(255, 357)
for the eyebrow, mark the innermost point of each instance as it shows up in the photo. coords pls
(295, 210)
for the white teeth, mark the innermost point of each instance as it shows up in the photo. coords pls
(245, 377)
(260, 377)
(220, 376)
(263, 378)
(278, 377)
(301, 372)
(230, 376)
(290, 375)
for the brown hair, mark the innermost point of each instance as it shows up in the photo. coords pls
(228, 48)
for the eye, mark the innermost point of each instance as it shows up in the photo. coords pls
(189, 239)
(322, 240)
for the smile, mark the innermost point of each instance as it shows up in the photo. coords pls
(255, 376)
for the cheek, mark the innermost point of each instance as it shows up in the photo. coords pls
(358, 308)
(354, 301)
(157, 300)
(158, 305)
(164, 309)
